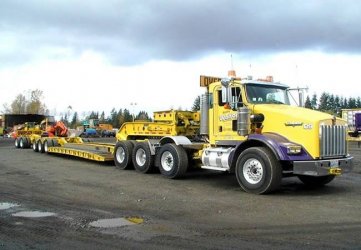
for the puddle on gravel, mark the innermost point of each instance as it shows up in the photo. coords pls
(116, 222)
(7, 205)
(33, 214)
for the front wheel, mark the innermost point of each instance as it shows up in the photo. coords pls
(172, 161)
(258, 171)
(316, 181)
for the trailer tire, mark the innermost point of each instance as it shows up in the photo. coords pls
(316, 181)
(142, 158)
(123, 154)
(40, 146)
(172, 161)
(27, 142)
(17, 142)
(47, 144)
(22, 142)
(35, 146)
(258, 171)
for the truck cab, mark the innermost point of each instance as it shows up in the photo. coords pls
(255, 132)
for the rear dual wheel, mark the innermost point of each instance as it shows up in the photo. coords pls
(40, 146)
(24, 142)
(123, 154)
(172, 161)
(35, 146)
(142, 158)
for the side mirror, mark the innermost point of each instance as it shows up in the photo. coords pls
(226, 90)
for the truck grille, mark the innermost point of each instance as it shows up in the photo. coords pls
(332, 141)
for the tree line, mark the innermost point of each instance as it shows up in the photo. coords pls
(32, 104)
(116, 118)
(331, 104)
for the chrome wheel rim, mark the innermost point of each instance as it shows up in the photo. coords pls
(120, 155)
(46, 146)
(140, 157)
(253, 171)
(167, 161)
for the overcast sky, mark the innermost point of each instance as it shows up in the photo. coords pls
(98, 55)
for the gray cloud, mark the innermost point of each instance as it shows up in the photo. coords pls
(130, 32)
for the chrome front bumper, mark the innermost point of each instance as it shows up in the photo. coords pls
(323, 167)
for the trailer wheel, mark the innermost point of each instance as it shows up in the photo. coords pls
(258, 171)
(47, 144)
(17, 142)
(173, 161)
(35, 146)
(40, 147)
(123, 154)
(26, 142)
(142, 158)
(316, 181)
(22, 142)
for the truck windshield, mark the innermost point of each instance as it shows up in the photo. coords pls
(262, 93)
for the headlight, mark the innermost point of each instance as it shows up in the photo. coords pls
(293, 149)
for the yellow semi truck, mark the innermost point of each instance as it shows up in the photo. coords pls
(245, 126)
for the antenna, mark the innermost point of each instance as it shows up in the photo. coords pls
(232, 72)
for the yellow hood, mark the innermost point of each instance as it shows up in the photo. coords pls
(299, 125)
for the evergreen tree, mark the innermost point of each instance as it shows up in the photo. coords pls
(308, 103)
(323, 102)
(337, 106)
(127, 116)
(351, 103)
(102, 117)
(358, 102)
(114, 118)
(197, 104)
(331, 103)
(142, 115)
(345, 104)
(314, 101)
(74, 120)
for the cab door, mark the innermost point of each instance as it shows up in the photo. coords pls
(225, 114)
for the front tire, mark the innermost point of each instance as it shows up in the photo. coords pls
(142, 158)
(172, 161)
(316, 181)
(123, 154)
(258, 171)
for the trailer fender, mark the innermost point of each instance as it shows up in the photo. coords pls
(178, 140)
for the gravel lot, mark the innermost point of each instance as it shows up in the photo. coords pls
(49, 201)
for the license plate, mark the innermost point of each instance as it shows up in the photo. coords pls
(333, 163)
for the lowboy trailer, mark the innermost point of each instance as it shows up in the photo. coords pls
(245, 126)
